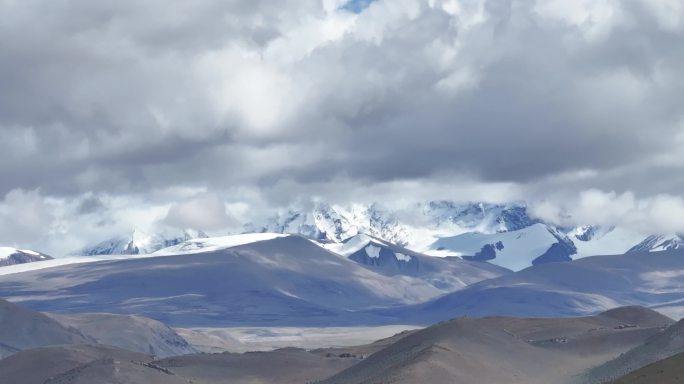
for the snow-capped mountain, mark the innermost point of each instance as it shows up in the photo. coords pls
(446, 274)
(428, 222)
(335, 223)
(13, 256)
(587, 232)
(655, 243)
(591, 240)
(504, 234)
(514, 250)
(140, 242)
(478, 217)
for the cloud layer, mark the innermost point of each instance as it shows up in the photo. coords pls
(260, 104)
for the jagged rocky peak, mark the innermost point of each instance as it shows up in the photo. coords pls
(379, 222)
(332, 224)
(655, 243)
(590, 232)
(321, 222)
(481, 217)
(585, 232)
(327, 222)
(513, 218)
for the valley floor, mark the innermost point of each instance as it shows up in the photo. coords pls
(244, 339)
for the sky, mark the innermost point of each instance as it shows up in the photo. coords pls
(211, 113)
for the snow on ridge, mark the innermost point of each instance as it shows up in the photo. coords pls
(189, 247)
(370, 245)
(615, 241)
(354, 244)
(210, 244)
(6, 252)
(657, 243)
(519, 248)
(350, 246)
(373, 252)
(57, 262)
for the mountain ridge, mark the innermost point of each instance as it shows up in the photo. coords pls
(140, 242)
(477, 231)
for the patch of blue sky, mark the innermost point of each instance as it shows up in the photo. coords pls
(357, 6)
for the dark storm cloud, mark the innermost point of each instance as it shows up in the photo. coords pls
(541, 106)
(111, 87)
(90, 204)
(283, 98)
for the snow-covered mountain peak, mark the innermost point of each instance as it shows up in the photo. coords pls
(6, 252)
(416, 227)
(590, 232)
(656, 243)
(584, 233)
(333, 223)
(478, 216)
(381, 223)
(13, 256)
(515, 250)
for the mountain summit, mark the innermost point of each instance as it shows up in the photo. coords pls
(13, 256)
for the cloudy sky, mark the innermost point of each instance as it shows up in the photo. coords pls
(208, 113)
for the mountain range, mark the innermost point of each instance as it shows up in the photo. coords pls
(561, 324)
(286, 280)
(417, 225)
(507, 235)
(289, 280)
